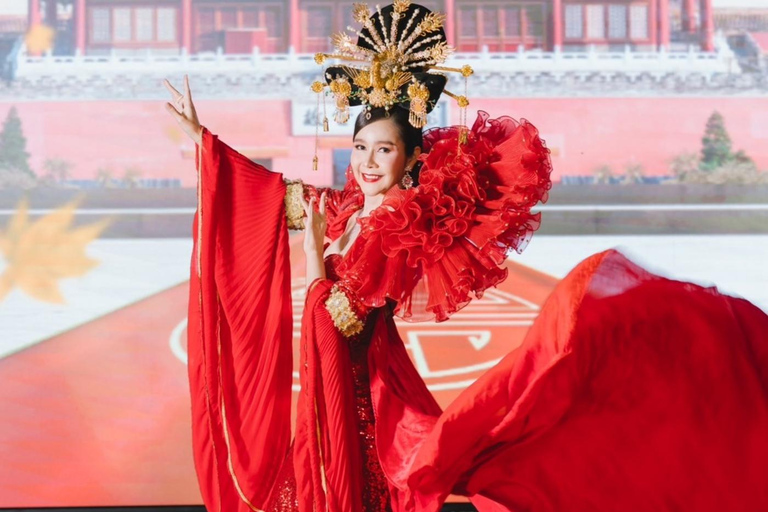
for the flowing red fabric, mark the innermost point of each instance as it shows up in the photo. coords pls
(240, 329)
(630, 392)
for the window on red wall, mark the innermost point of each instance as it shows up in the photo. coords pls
(617, 21)
(535, 21)
(638, 21)
(100, 25)
(490, 21)
(467, 22)
(122, 24)
(207, 20)
(145, 24)
(574, 22)
(133, 27)
(319, 21)
(323, 18)
(502, 26)
(606, 22)
(166, 24)
(250, 16)
(228, 18)
(511, 20)
(595, 21)
(273, 21)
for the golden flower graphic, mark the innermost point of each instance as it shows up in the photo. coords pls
(38, 254)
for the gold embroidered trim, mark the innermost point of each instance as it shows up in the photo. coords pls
(199, 207)
(200, 302)
(323, 478)
(294, 211)
(344, 317)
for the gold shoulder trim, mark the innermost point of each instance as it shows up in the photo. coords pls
(294, 211)
(344, 317)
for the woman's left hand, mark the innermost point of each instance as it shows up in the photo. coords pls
(314, 226)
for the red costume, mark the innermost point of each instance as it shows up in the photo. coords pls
(631, 392)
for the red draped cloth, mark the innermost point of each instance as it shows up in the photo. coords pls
(630, 392)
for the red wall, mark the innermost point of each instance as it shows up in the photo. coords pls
(583, 132)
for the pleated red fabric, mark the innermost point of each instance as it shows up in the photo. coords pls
(239, 330)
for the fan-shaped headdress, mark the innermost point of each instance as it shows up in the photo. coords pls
(395, 63)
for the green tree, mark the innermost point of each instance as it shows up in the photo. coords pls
(716, 143)
(13, 146)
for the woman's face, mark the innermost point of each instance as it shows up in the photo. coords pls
(378, 157)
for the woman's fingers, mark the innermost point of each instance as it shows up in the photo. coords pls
(322, 203)
(188, 106)
(176, 94)
(180, 102)
(304, 203)
(174, 112)
(187, 92)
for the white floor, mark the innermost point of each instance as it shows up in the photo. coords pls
(134, 269)
(129, 270)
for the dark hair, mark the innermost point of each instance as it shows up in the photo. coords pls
(411, 136)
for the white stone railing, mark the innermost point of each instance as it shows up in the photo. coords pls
(525, 62)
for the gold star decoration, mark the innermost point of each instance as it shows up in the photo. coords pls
(39, 253)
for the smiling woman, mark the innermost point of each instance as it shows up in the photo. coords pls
(386, 148)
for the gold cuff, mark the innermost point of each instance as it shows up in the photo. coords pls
(294, 211)
(344, 317)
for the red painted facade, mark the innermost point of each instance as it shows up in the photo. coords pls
(583, 134)
(237, 26)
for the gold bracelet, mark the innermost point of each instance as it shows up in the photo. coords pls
(344, 317)
(294, 211)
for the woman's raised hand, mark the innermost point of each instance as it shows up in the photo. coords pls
(315, 226)
(183, 110)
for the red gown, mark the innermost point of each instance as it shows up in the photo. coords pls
(630, 392)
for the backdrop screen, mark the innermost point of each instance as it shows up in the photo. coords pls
(659, 141)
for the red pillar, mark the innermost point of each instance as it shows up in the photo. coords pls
(186, 25)
(707, 26)
(653, 29)
(664, 24)
(80, 26)
(689, 19)
(557, 24)
(33, 13)
(450, 22)
(294, 18)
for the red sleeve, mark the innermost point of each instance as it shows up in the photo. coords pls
(434, 247)
(239, 317)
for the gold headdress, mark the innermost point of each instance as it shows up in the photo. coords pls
(396, 62)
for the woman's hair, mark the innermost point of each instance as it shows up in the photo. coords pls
(411, 136)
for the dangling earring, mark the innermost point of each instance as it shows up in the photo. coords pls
(407, 180)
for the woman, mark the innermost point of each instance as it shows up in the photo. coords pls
(630, 392)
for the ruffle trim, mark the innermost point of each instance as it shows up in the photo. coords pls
(451, 233)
